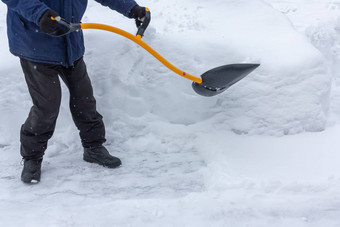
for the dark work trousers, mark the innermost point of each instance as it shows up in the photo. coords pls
(44, 87)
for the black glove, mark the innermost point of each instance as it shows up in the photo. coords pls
(138, 13)
(47, 25)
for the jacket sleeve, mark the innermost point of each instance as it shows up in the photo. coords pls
(31, 10)
(122, 6)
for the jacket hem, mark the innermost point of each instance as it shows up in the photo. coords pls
(41, 60)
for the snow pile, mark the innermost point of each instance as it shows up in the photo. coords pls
(320, 22)
(287, 95)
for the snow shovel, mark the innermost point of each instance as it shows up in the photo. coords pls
(211, 83)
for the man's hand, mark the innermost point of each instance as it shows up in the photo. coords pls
(138, 13)
(46, 24)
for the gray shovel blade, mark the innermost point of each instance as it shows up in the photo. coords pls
(217, 80)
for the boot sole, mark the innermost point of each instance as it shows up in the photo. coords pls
(32, 181)
(90, 160)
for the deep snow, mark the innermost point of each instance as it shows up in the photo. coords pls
(264, 153)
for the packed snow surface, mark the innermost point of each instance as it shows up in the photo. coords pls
(263, 153)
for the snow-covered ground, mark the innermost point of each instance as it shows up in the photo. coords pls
(263, 153)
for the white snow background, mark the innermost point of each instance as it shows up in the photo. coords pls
(264, 153)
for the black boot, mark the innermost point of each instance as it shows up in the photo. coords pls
(101, 156)
(31, 171)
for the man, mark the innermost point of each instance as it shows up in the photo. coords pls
(44, 58)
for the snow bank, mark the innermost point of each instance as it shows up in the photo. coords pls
(288, 94)
(319, 22)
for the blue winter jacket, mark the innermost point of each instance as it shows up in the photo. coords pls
(27, 41)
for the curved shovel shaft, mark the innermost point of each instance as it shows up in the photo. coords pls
(71, 27)
(137, 39)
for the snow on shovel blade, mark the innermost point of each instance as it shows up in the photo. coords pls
(217, 80)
